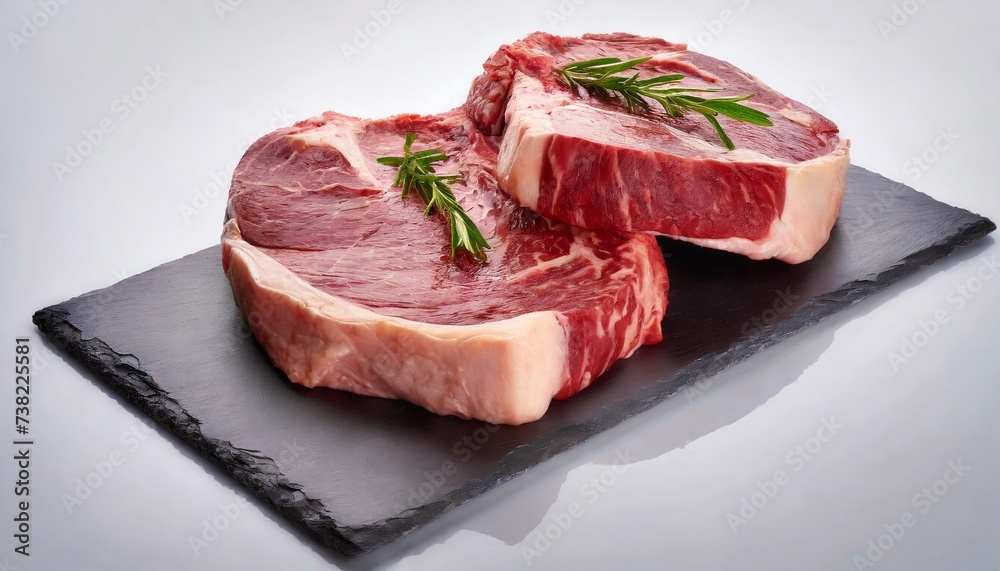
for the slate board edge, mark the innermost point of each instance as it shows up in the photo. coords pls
(121, 372)
(821, 307)
(532, 453)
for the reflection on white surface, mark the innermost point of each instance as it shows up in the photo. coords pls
(150, 191)
(816, 469)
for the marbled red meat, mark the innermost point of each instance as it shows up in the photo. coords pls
(594, 164)
(347, 285)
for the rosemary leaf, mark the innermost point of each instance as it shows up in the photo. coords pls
(598, 78)
(416, 172)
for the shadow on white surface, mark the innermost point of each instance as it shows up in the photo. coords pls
(674, 424)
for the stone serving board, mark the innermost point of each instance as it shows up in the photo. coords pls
(357, 472)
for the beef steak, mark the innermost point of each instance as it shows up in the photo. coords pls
(348, 285)
(592, 163)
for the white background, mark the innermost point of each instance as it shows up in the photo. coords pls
(144, 196)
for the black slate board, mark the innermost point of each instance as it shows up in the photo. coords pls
(358, 472)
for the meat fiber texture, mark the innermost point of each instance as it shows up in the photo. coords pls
(593, 164)
(347, 285)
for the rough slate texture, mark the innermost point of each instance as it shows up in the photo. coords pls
(358, 472)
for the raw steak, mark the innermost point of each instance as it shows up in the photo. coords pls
(593, 164)
(347, 285)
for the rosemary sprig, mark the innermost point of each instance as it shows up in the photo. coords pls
(597, 76)
(415, 172)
